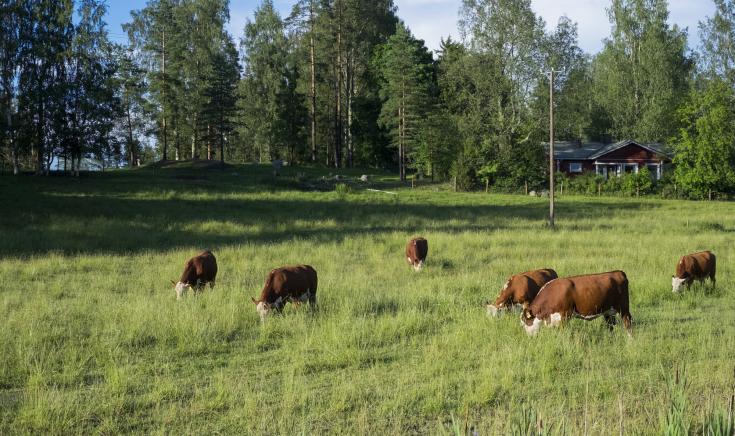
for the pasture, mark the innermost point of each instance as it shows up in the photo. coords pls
(92, 338)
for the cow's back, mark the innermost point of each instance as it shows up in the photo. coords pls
(596, 293)
(541, 276)
(206, 265)
(417, 249)
(586, 294)
(696, 265)
(293, 280)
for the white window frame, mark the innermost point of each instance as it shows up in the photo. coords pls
(576, 165)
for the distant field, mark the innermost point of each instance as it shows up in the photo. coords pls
(93, 340)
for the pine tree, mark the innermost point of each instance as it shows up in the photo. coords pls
(406, 69)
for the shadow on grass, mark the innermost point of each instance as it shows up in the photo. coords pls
(91, 216)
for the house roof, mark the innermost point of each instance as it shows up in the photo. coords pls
(572, 150)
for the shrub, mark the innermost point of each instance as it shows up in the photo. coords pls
(342, 189)
(464, 171)
(638, 183)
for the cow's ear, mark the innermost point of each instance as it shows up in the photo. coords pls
(173, 282)
(253, 300)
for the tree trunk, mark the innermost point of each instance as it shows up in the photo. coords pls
(39, 136)
(350, 96)
(13, 142)
(131, 145)
(312, 85)
(338, 96)
(209, 143)
(163, 101)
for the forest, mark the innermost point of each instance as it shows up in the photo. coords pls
(345, 83)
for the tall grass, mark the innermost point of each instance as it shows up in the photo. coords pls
(93, 340)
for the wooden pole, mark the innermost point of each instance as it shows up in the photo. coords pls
(551, 149)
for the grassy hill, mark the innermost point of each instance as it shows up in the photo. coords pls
(93, 340)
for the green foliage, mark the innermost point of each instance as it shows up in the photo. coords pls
(638, 183)
(718, 423)
(705, 145)
(675, 421)
(406, 69)
(465, 176)
(642, 72)
(342, 189)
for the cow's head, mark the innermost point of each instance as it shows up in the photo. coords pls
(493, 309)
(180, 288)
(418, 266)
(263, 308)
(677, 283)
(530, 322)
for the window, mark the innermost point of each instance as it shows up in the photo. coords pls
(575, 167)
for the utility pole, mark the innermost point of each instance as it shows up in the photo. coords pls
(551, 148)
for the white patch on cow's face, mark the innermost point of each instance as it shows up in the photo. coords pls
(181, 290)
(532, 329)
(676, 284)
(492, 310)
(417, 267)
(555, 320)
(263, 310)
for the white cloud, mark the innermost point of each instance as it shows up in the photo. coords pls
(432, 19)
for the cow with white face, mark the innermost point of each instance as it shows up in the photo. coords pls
(416, 251)
(695, 266)
(296, 284)
(198, 271)
(586, 297)
(520, 289)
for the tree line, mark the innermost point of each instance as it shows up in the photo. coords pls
(345, 83)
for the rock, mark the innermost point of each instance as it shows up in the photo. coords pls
(532, 194)
(364, 178)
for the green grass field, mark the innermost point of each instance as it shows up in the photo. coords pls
(92, 338)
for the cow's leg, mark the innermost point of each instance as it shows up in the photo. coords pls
(611, 320)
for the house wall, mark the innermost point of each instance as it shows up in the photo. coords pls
(629, 154)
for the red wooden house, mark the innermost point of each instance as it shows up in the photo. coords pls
(610, 160)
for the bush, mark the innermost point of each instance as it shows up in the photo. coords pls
(638, 183)
(464, 171)
(587, 183)
(342, 190)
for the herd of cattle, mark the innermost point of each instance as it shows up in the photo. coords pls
(544, 297)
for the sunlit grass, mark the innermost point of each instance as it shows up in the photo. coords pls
(92, 338)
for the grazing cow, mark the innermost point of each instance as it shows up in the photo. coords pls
(289, 283)
(416, 251)
(520, 289)
(696, 266)
(198, 271)
(586, 297)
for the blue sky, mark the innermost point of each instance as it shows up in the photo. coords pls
(431, 20)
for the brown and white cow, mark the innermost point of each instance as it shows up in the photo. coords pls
(695, 266)
(520, 289)
(416, 251)
(586, 297)
(289, 283)
(198, 271)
